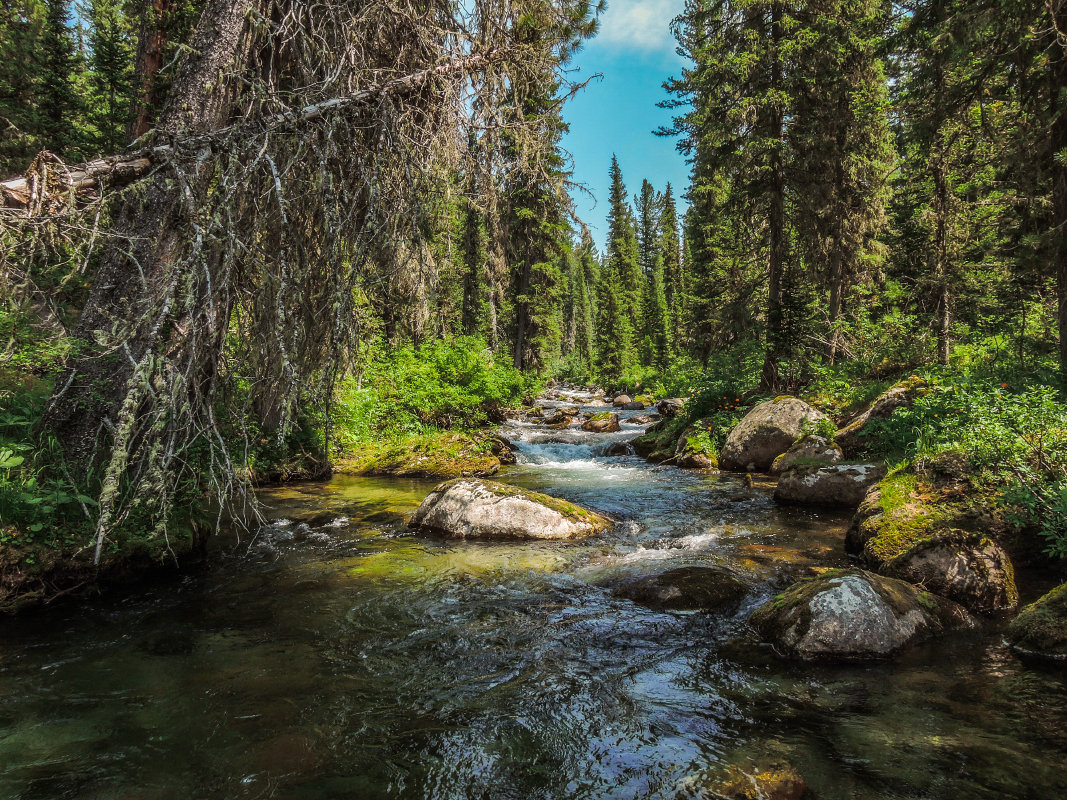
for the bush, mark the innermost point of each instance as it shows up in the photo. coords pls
(445, 384)
(1015, 444)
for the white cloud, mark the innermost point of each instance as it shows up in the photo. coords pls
(639, 24)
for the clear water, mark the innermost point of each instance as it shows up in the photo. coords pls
(336, 655)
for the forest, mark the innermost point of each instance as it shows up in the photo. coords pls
(340, 457)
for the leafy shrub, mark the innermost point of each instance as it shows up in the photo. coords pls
(1015, 443)
(447, 383)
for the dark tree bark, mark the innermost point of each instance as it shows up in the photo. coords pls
(151, 40)
(770, 379)
(134, 297)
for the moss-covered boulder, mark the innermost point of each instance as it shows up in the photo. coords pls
(446, 454)
(605, 422)
(907, 528)
(660, 439)
(839, 485)
(1040, 630)
(682, 589)
(767, 431)
(851, 436)
(809, 450)
(853, 615)
(477, 509)
(695, 448)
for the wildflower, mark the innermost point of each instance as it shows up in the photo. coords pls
(1003, 386)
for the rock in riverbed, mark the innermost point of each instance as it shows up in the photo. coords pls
(853, 615)
(477, 509)
(602, 423)
(1041, 628)
(812, 450)
(765, 433)
(843, 485)
(683, 589)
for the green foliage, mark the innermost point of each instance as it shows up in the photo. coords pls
(1014, 443)
(447, 383)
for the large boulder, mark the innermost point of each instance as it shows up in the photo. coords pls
(1040, 630)
(903, 531)
(807, 451)
(602, 423)
(683, 589)
(904, 394)
(476, 509)
(622, 400)
(670, 406)
(842, 485)
(767, 431)
(853, 615)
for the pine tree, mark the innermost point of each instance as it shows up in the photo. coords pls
(58, 103)
(112, 52)
(622, 259)
(674, 282)
(22, 29)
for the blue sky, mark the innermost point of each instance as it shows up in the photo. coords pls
(635, 52)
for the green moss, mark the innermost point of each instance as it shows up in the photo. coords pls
(599, 416)
(1041, 627)
(445, 454)
(904, 519)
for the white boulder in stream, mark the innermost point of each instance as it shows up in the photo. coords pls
(466, 508)
(853, 615)
(843, 485)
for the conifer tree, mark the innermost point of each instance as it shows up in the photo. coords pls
(58, 102)
(623, 257)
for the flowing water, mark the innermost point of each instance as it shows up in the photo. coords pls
(337, 655)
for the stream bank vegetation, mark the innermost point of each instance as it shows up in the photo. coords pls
(357, 246)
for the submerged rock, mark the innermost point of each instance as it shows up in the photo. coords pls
(619, 449)
(843, 485)
(602, 423)
(1040, 630)
(767, 431)
(670, 406)
(477, 509)
(768, 780)
(683, 589)
(633, 405)
(901, 530)
(904, 394)
(853, 615)
(808, 451)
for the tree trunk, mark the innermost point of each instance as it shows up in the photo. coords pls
(770, 380)
(522, 314)
(151, 40)
(135, 302)
(1057, 143)
(941, 265)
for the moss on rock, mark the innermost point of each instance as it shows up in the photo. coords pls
(1041, 628)
(446, 454)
